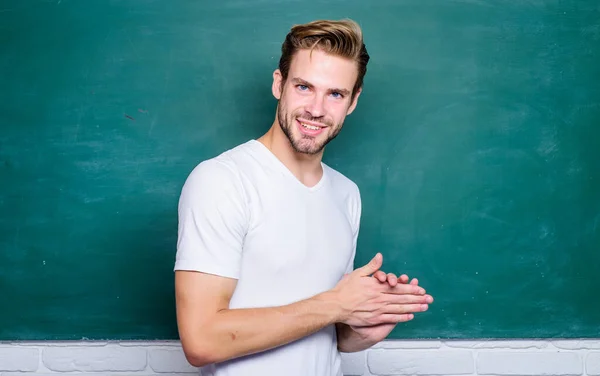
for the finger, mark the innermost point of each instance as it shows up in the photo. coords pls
(404, 289)
(403, 279)
(392, 279)
(372, 266)
(380, 276)
(393, 319)
(397, 309)
(414, 281)
(407, 299)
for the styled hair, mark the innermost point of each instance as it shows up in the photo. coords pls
(341, 38)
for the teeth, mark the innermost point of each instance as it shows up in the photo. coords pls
(310, 127)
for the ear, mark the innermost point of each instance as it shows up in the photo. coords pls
(276, 88)
(354, 102)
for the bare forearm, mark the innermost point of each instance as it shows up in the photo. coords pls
(237, 332)
(350, 341)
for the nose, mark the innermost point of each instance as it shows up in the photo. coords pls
(316, 106)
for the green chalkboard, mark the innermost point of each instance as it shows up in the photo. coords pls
(476, 145)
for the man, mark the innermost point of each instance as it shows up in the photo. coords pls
(268, 232)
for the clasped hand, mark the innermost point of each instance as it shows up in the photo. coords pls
(371, 297)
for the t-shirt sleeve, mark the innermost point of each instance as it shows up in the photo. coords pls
(212, 221)
(355, 208)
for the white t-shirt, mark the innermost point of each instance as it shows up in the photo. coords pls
(244, 215)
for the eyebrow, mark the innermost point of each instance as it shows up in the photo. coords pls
(299, 81)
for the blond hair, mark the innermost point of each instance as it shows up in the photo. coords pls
(340, 38)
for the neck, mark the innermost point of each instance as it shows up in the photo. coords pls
(305, 167)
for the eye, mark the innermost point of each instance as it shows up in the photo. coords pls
(337, 95)
(302, 87)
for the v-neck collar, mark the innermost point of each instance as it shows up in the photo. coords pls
(287, 171)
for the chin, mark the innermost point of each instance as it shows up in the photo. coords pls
(310, 147)
(307, 146)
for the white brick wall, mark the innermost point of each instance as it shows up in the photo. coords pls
(439, 358)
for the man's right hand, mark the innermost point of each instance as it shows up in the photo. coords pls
(365, 301)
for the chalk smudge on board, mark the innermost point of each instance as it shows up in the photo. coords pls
(129, 117)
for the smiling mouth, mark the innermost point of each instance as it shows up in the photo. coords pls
(308, 126)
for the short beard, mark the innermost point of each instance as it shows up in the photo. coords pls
(304, 144)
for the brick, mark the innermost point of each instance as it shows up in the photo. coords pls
(22, 359)
(416, 344)
(406, 362)
(353, 364)
(592, 364)
(529, 363)
(577, 344)
(66, 343)
(89, 374)
(57, 374)
(165, 343)
(497, 344)
(169, 360)
(95, 359)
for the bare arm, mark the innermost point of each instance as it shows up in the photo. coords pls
(211, 332)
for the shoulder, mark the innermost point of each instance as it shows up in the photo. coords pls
(212, 173)
(218, 176)
(226, 166)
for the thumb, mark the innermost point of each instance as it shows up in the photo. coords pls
(372, 266)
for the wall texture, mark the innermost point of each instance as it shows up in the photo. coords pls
(564, 357)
